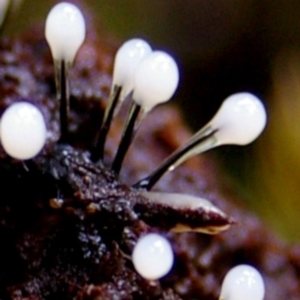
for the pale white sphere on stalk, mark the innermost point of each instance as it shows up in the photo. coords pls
(156, 79)
(243, 282)
(129, 55)
(23, 130)
(65, 31)
(240, 119)
(152, 256)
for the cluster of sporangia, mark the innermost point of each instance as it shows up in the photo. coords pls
(149, 78)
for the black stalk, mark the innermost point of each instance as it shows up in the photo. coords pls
(148, 182)
(127, 137)
(98, 151)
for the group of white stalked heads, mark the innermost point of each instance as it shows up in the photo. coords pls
(153, 258)
(150, 78)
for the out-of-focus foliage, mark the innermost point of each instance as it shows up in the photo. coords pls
(278, 159)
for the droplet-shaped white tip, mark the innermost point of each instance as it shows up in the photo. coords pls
(152, 256)
(65, 31)
(156, 79)
(127, 58)
(243, 282)
(240, 120)
(22, 130)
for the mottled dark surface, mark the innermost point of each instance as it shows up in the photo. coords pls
(58, 241)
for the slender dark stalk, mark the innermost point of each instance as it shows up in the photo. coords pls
(171, 162)
(64, 101)
(127, 136)
(98, 150)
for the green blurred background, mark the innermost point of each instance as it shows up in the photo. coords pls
(223, 47)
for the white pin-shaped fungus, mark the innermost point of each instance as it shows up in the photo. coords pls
(129, 55)
(156, 79)
(240, 120)
(22, 130)
(243, 282)
(65, 31)
(152, 256)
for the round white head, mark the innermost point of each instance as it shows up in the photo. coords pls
(152, 256)
(127, 58)
(243, 282)
(156, 79)
(65, 31)
(22, 130)
(240, 120)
